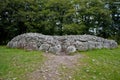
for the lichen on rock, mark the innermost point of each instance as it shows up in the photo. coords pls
(60, 44)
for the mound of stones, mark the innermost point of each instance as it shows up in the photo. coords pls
(60, 44)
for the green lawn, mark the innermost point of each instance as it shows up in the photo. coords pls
(103, 64)
(15, 64)
(99, 65)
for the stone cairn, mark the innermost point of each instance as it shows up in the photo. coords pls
(60, 44)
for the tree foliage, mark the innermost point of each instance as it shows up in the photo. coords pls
(59, 17)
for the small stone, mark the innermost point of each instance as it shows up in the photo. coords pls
(46, 70)
(44, 47)
(87, 70)
(14, 78)
(63, 67)
(94, 77)
(45, 77)
(71, 49)
(55, 49)
(93, 60)
(69, 77)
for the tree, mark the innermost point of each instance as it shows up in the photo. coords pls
(59, 17)
(57, 14)
(114, 7)
(14, 18)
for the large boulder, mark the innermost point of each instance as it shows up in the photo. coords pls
(60, 44)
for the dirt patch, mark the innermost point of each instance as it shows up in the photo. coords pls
(50, 69)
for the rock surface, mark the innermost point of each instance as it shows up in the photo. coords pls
(60, 44)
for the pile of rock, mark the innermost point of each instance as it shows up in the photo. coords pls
(60, 44)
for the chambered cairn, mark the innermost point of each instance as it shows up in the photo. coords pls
(60, 44)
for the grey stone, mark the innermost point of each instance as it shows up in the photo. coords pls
(106, 43)
(71, 49)
(55, 49)
(98, 45)
(81, 46)
(59, 44)
(12, 45)
(31, 46)
(65, 44)
(44, 47)
(91, 45)
(113, 44)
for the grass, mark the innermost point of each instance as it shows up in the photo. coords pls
(99, 65)
(15, 64)
(102, 64)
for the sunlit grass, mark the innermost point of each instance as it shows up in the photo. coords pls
(99, 65)
(15, 64)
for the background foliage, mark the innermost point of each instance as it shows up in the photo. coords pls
(59, 17)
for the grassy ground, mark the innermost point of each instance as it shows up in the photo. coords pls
(15, 64)
(103, 64)
(99, 65)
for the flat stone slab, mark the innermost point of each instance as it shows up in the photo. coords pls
(59, 44)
